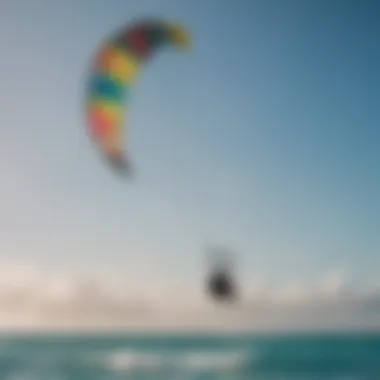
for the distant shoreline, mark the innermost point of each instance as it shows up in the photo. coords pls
(188, 333)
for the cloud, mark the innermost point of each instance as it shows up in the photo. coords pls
(35, 298)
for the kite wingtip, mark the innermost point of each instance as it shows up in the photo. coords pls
(128, 169)
(122, 166)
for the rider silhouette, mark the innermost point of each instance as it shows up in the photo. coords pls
(220, 284)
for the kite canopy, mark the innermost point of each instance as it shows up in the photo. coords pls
(116, 68)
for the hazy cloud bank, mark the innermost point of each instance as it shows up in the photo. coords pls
(34, 298)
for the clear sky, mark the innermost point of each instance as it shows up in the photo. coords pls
(265, 138)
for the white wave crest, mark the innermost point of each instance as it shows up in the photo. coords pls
(200, 361)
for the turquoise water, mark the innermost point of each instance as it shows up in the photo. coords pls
(328, 357)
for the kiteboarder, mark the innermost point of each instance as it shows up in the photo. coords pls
(220, 283)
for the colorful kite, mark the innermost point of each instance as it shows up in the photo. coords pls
(116, 68)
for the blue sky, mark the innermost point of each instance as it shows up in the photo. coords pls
(264, 137)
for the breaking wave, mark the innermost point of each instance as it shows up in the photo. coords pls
(203, 361)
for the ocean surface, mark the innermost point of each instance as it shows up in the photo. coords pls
(256, 357)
